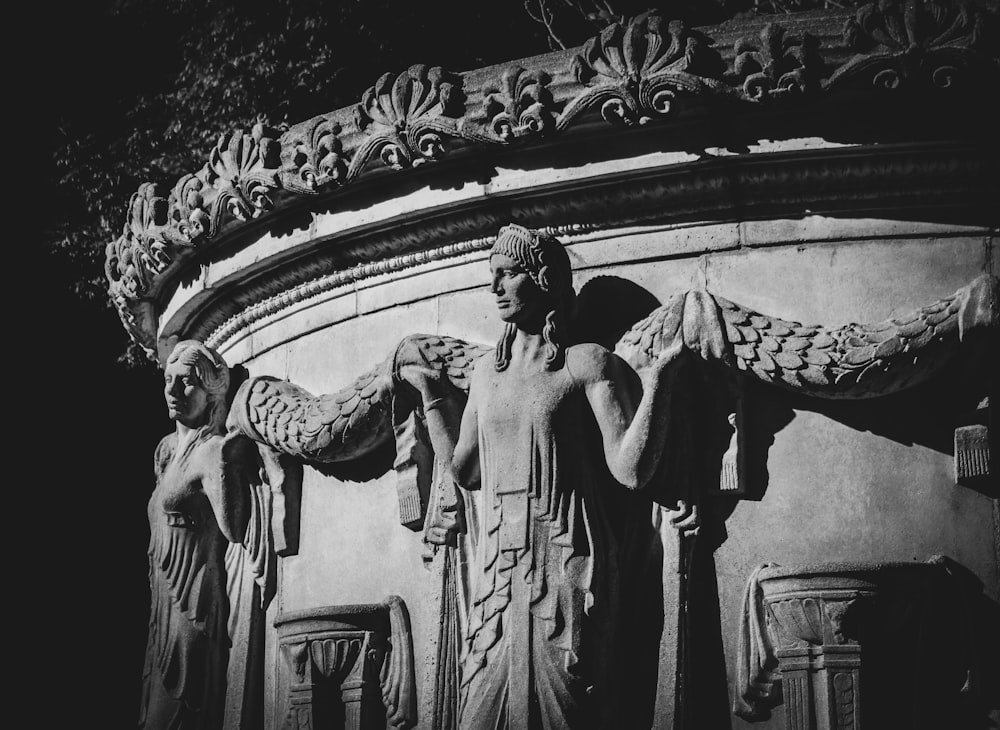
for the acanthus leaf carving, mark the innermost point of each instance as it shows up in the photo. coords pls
(903, 42)
(520, 105)
(190, 219)
(243, 170)
(778, 64)
(313, 156)
(142, 250)
(406, 116)
(635, 72)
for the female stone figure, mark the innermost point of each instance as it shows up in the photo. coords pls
(551, 432)
(200, 506)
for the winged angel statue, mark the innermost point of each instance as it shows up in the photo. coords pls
(539, 446)
(217, 522)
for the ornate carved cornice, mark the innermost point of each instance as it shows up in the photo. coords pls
(632, 73)
(722, 188)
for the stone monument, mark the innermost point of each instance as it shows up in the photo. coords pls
(728, 460)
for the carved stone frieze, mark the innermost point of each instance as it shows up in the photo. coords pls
(637, 200)
(406, 116)
(189, 218)
(908, 42)
(141, 251)
(630, 74)
(520, 105)
(634, 70)
(778, 63)
(353, 662)
(243, 170)
(313, 156)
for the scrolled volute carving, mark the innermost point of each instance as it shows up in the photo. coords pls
(313, 156)
(520, 105)
(407, 114)
(635, 71)
(906, 42)
(242, 168)
(778, 64)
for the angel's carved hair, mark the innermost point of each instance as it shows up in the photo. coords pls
(544, 259)
(213, 374)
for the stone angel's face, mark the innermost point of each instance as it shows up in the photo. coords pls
(187, 399)
(518, 297)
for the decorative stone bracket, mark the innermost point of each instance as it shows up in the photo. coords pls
(351, 666)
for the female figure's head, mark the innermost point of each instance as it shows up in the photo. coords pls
(196, 380)
(533, 282)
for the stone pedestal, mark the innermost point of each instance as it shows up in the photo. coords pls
(819, 618)
(343, 670)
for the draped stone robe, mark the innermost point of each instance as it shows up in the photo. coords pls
(184, 683)
(540, 648)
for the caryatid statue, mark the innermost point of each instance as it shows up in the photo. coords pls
(211, 555)
(553, 432)
(538, 447)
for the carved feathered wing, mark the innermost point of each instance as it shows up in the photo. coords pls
(852, 361)
(344, 425)
(453, 357)
(355, 420)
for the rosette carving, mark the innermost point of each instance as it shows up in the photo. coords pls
(778, 64)
(635, 71)
(242, 168)
(313, 156)
(142, 250)
(904, 42)
(520, 105)
(406, 116)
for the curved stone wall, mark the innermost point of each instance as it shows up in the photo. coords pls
(840, 209)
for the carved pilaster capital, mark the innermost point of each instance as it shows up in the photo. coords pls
(364, 650)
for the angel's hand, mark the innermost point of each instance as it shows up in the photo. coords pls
(666, 357)
(430, 384)
(447, 522)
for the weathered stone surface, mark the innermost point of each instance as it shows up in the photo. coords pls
(788, 182)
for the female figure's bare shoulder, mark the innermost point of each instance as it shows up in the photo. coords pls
(590, 363)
